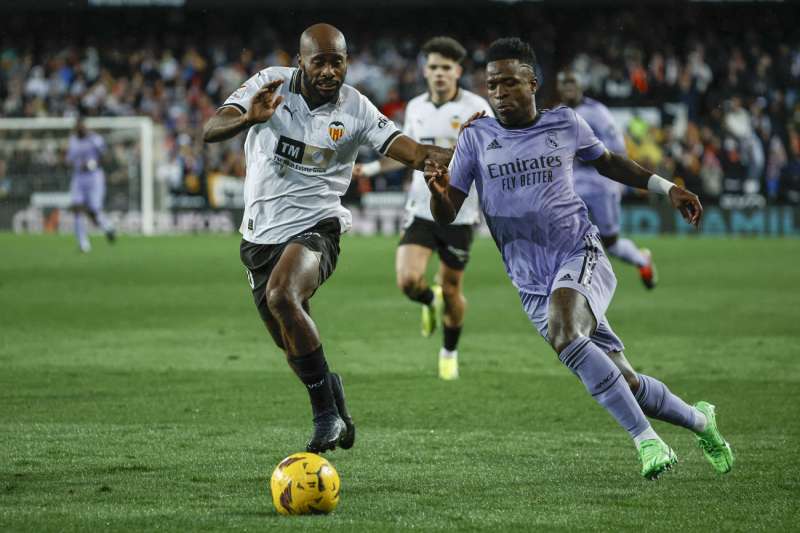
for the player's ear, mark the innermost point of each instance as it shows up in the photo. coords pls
(459, 70)
(299, 61)
(534, 84)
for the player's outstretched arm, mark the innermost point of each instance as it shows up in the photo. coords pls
(620, 168)
(229, 122)
(446, 201)
(413, 154)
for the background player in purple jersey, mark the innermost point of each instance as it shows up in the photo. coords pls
(521, 166)
(602, 196)
(88, 185)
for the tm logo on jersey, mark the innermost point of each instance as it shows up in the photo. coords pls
(301, 156)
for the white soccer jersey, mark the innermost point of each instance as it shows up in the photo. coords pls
(431, 124)
(300, 162)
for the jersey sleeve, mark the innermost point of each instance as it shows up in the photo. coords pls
(376, 130)
(99, 145)
(587, 146)
(72, 150)
(462, 166)
(612, 136)
(240, 98)
(408, 124)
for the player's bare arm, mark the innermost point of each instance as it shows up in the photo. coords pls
(446, 201)
(620, 168)
(229, 122)
(413, 154)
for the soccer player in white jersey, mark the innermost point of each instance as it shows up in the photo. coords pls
(435, 117)
(603, 196)
(304, 127)
(88, 186)
(521, 167)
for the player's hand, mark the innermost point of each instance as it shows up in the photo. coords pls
(264, 103)
(687, 203)
(470, 120)
(437, 177)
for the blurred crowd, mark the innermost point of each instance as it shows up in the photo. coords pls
(736, 78)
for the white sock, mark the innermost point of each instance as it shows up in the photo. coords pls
(81, 233)
(627, 251)
(444, 353)
(647, 434)
(700, 421)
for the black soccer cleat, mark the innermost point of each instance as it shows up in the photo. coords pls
(349, 437)
(328, 431)
(111, 236)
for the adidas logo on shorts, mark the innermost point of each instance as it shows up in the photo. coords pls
(566, 277)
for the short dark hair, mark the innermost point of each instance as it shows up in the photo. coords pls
(512, 48)
(445, 46)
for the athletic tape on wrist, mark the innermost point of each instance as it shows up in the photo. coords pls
(659, 185)
(371, 168)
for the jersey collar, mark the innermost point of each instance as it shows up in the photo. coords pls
(294, 84)
(455, 98)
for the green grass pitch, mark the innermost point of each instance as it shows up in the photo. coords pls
(139, 391)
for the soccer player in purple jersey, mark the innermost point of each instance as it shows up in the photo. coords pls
(602, 196)
(521, 166)
(88, 185)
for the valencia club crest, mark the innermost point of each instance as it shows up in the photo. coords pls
(336, 130)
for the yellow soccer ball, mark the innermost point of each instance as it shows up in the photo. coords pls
(305, 483)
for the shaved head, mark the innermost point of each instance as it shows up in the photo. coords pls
(321, 39)
(323, 61)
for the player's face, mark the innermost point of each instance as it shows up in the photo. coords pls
(80, 128)
(568, 89)
(511, 87)
(441, 73)
(323, 74)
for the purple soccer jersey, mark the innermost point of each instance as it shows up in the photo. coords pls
(88, 182)
(524, 182)
(84, 154)
(587, 180)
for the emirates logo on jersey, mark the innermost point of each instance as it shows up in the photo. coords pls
(336, 130)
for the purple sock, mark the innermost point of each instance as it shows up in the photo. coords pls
(80, 232)
(604, 382)
(658, 402)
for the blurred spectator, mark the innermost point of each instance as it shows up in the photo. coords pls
(739, 83)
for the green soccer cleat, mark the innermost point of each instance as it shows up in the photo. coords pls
(715, 448)
(656, 458)
(431, 314)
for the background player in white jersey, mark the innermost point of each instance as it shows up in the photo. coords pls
(304, 128)
(435, 117)
(603, 196)
(88, 186)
